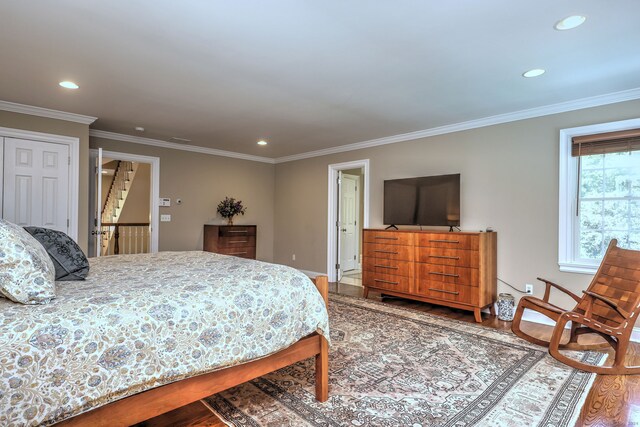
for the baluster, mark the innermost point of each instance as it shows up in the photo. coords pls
(116, 243)
(136, 238)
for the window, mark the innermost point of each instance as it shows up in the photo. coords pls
(599, 192)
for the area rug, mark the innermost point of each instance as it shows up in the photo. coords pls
(391, 366)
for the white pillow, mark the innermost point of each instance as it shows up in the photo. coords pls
(27, 274)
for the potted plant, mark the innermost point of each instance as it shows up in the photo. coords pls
(230, 207)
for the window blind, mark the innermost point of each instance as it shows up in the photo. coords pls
(602, 143)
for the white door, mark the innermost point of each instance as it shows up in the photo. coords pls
(95, 202)
(36, 184)
(349, 222)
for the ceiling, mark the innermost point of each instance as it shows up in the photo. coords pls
(308, 75)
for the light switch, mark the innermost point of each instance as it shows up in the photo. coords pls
(165, 218)
(165, 201)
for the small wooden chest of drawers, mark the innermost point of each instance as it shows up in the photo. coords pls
(237, 240)
(453, 269)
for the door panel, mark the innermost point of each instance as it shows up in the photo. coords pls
(22, 200)
(36, 183)
(349, 217)
(50, 202)
(95, 203)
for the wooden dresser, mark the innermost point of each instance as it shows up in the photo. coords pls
(238, 240)
(453, 269)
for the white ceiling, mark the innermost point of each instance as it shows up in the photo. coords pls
(308, 75)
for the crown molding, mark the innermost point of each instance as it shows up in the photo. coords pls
(46, 112)
(174, 146)
(562, 107)
(578, 104)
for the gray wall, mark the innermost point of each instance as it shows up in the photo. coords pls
(509, 181)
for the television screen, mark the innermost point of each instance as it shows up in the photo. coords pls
(428, 200)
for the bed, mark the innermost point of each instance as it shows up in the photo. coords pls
(148, 333)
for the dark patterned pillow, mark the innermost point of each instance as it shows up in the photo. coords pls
(68, 259)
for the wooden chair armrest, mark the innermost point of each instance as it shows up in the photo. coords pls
(547, 291)
(621, 311)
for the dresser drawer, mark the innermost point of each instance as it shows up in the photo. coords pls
(385, 251)
(447, 274)
(386, 281)
(387, 237)
(236, 241)
(239, 252)
(456, 257)
(448, 292)
(236, 230)
(449, 241)
(388, 266)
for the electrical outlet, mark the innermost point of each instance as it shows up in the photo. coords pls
(528, 288)
(293, 257)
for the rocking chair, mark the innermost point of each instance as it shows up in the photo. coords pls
(609, 308)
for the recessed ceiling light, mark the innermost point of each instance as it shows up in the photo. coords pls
(262, 142)
(570, 22)
(534, 73)
(68, 85)
(139, 128)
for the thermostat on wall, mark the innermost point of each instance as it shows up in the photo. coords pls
(165, 201)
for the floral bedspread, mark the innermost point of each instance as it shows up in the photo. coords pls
(140, 321)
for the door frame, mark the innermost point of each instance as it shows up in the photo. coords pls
(74, 168)
(154, 196)
(332, 212)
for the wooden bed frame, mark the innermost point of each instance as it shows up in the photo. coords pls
(148, 404)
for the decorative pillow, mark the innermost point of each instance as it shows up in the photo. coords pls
(27, 274)
(68, 259)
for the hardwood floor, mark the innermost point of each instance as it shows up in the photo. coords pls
(612, 401)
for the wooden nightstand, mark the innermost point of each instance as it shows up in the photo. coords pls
(237, 240)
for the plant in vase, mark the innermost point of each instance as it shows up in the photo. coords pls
(230, 207)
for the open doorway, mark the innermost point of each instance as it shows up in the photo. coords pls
(123, 213)
(350, 232)
(348, 216)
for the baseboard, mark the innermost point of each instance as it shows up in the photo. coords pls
(312, 274)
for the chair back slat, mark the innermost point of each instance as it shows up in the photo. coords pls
(617, 279)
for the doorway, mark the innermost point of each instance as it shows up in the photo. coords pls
(123, 215)
(350, 232)
(348, 214)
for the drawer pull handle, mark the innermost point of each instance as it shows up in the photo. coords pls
(444, 241)
(387, 252)
(386, 266)
(444, 256)
(444, 274)
(238, 241)
(443, 291)
(385, 238)
(238, 231)
(238, 253)
(386, 281)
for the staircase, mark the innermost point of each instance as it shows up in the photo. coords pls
(116, 198)
(119, 191)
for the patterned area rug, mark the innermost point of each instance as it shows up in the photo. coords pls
(397, 367)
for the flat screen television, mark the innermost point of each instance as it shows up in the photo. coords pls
(427, 200)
